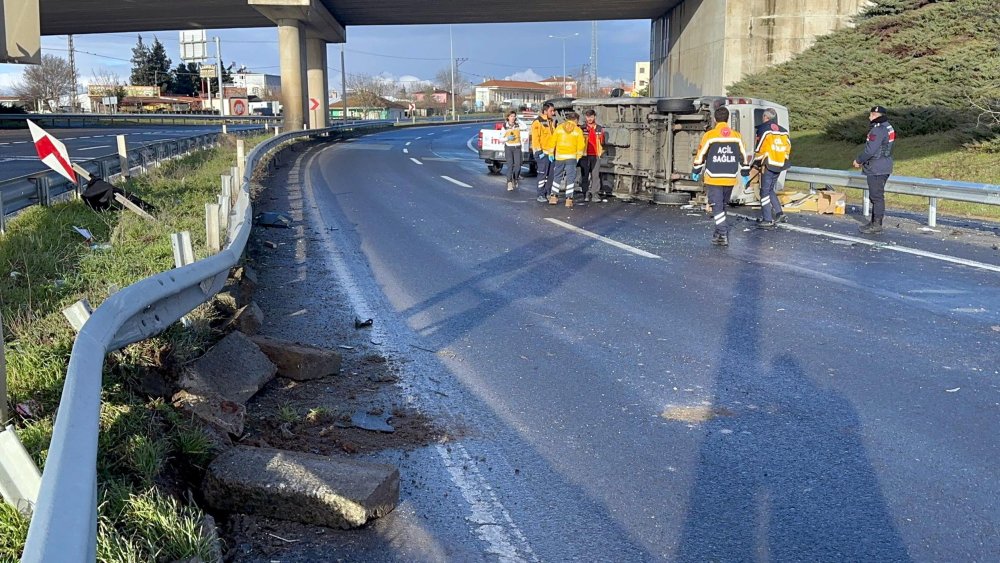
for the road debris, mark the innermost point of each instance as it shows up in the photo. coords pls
(367, 323)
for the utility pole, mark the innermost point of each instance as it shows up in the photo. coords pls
(218, 56)
(594, 80)
(343, 83)
(451, 43)
(72, 67)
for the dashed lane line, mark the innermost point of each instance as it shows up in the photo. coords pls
(456, 182)
(415, 161)
(408, 143)
(406, 151)
(605, 240)
(95, 148)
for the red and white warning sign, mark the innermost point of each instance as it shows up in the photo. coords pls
(238, 106)
(52, 152)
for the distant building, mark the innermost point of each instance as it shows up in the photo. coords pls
(367, 109)
(641, 76)
(494, 95)
(437, 96)
(258, 84)
(11, 102)
(557, 82)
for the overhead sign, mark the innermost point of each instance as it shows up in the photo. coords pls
(52, 152)
(193, 45)
(110, 100)
(313, 104)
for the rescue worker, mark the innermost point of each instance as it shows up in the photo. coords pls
(875, 161)
(595, 136)
(568, 147)
(512, 150)
(542, 130)
(723, 161)
(771, 156)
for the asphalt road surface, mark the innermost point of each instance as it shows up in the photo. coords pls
(635, 394)
(18, 156)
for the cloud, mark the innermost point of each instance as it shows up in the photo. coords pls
(525, 75)
(8, 78)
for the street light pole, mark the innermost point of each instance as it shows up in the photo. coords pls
(563, 38)
(451, 44)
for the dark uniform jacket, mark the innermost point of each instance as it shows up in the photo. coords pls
(721, 157)
(876, 159)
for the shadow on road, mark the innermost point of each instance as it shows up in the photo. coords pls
(783, 474)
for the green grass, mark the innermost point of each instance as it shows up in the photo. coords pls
(927, 156)
(145, 447)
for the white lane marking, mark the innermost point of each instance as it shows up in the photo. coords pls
(408, 143)
(19, 142)
(469, 144)
(456, 182)
(95, 148)
(418, 138)
(406, 151)
(939, 291)
(415, 161)
(489, 517)
(603, 239)
(83, 137)
(894, 248)
(429, 134)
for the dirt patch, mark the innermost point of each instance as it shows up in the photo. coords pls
(695, 414)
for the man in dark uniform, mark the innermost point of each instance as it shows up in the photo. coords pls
(876, 163)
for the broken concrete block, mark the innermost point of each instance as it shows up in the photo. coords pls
(249, 319)
(234, 369)
(308, 488)
(246, 279)
(299, 361)
(220, 413)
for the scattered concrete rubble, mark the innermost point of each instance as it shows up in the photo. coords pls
(302, 487)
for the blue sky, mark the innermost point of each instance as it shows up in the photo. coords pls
(520, 51)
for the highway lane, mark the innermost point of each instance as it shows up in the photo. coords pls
(646, 396)
(18, 156)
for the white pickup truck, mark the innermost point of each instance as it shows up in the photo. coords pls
(491, 145)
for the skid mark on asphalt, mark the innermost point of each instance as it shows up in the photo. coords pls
(605, 240)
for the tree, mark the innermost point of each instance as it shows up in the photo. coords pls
(106, 83)
(141, 75)
(367, 90)
(186, 80)
(46, 84)
(151, 65)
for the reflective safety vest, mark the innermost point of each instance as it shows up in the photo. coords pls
(569, 142)
(541, 133)
(721, 157)
(773, 149)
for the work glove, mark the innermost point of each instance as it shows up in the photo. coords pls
(695, 177)
(745, 180)
(552, 158)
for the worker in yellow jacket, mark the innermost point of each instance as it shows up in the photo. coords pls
(542, 130)
(723, 160)
(568, 146)
(772, 156)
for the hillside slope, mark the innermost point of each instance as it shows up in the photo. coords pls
(928, 61)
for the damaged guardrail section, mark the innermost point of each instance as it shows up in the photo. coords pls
(64, 524)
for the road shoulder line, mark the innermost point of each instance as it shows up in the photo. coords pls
(603, 239)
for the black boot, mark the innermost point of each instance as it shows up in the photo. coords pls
(873, 228)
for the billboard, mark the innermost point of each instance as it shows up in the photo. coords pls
(194, 46)
(20, 32)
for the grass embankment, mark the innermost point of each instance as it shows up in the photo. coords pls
(934, 64)
(147, 450)
(926, 156)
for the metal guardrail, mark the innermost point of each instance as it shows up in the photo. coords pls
(43, 187)
(11, 121)
(931, 188)
(64, 524)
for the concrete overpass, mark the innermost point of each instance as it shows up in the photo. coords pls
(698, 46)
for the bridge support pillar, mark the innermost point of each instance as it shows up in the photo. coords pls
(291, 37)
(317, 78)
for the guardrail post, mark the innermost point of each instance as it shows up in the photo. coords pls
(41, 189)
(78, 313)
(225, 208)
(932, 211)
(212, 227)
(866, 204)
(277, 130)
(123, 156)
(224, 130)
(241, 157)
(183, 253)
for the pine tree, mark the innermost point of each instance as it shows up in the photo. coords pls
(159, 66)
(186, 80)
(140, 65)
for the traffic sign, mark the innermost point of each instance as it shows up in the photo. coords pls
(52, 152)
(239, 107)
(313, 104)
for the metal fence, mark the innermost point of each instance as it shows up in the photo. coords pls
(931, 188)
(18, 121)
(64, 523)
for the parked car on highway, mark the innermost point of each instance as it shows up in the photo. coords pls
(651, 142)
(491, 145)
